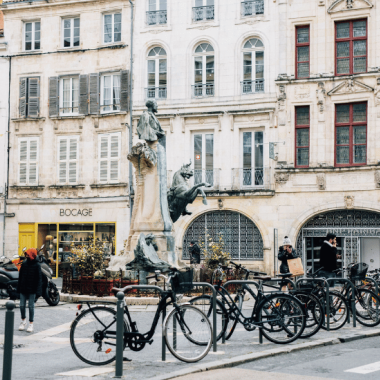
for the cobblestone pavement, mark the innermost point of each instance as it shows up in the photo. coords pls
(47, 352)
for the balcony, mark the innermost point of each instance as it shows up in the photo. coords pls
(252, 86)
(156, 17)
(202, 90)
(251, 8)
(156, 92)
(210, 176)
(250, 178)
(203, 13)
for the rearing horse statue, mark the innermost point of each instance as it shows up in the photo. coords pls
(180, 194)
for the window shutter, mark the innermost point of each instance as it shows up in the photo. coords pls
(103, 158)
(62, 160)
(53, 97)
(73, 156)
(114, 156)
(94, 93)
(33, 161)
(33, 97)
(23, 161)
(124, 91)
(22, 99)
(83, 94)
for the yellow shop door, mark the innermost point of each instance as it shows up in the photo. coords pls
(26, 236)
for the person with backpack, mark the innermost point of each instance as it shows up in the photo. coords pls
(29, 286)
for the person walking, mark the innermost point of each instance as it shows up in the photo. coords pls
(195, 260)
(286, 252)
(329, 257)
(29, 286)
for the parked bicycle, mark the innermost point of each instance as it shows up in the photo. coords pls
(186, 329)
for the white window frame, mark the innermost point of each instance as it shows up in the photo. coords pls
(61, 79)
(102, 76)
(204, 56)
(253, 52)
(113, 27)
(68, 160)
(71, 32)
(158, 6)
(108, 159)
(33, 22)
(203, 134)
(157, 86)
(29, 161)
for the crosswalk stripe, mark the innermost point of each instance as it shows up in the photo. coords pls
(373, 367)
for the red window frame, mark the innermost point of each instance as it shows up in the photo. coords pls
(351, 40)
(301, 45)
(298, 127)
(351, 124)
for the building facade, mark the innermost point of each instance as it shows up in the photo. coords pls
(68, 176)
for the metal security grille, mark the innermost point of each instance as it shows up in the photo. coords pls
(241, 236)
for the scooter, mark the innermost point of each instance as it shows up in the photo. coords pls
(9, 275)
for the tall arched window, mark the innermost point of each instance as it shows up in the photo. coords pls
(253, 66)
(203, 70)
(157, 74)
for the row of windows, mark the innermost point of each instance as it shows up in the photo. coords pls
(71, 32)
(350, 48)
(109, 147)
(350, 135)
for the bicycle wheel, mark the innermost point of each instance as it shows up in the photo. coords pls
(233, 321)
(204, 303)
(93, 335)
(282, 317)
(365, 307)
(188, 333)
(338, 311)
(313, 312)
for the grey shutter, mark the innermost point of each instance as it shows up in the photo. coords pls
(53, 96)
(83, 94)
(23, 159)
(22, 99)
(33, 97)
(124, 91)
(94, 93)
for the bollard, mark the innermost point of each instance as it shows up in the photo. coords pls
(119, 335)
(8, 340)
(260, 336)
(163, 342)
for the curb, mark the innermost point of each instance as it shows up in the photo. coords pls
(232, 362)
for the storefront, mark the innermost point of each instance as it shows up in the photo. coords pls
(60, 228)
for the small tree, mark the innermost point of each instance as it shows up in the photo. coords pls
(214, 251)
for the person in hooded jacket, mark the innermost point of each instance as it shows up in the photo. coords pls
(285, 253)
(29, 286)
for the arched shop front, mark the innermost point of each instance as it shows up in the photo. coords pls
(358, 237)
(241, 236)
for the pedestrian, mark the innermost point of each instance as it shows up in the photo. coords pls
(286, 252)
(329, 258)
(29, 286)
(195, 260)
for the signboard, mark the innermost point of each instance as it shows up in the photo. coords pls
(271, 151)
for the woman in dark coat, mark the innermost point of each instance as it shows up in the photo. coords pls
(29, 286)
(285, 253)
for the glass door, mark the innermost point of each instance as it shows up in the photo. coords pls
(253, 159)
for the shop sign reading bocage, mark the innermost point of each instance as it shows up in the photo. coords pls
(75, 212)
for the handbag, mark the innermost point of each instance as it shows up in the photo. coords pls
(296, 267)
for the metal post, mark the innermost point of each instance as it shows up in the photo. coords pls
(260, 336)
(119, 335)
(377, 294)
(163, 343)
(8, 340)
(223, 324)
(174, 333)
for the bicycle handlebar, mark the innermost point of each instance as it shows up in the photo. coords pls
(248, 270)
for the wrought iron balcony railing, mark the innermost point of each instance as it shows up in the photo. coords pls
(211, 176)
(254, 7)
(156, 92)
(203, 13)
(156, 17)
(199, 90)
(250, 178)
(252, 86)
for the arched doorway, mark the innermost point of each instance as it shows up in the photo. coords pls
(358, 236)
(241, 236)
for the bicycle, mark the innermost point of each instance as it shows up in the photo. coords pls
(279, 316)
(186, 329)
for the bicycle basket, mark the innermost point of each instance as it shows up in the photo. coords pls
(358, 272)
(182, 282)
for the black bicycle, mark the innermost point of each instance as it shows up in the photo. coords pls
(186, 329)
(280, 316)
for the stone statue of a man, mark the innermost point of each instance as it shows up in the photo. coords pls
(149, 128)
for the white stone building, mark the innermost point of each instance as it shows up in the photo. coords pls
(68, 123)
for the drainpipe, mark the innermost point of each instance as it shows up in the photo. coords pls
(8, 148)
(131, 190)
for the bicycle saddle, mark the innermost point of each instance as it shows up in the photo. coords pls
(285, 275)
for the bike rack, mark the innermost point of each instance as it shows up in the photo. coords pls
(306, 279)
(377, 292)
(120, 325)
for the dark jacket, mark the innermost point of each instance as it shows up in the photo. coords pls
(195, 254)
(30, 278)
(284, 256)
(328, 257)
